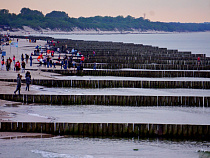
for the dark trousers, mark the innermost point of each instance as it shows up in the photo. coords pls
(27, 86)
(17, 89)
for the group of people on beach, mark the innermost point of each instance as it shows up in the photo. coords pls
(64, 59)
(17, 64)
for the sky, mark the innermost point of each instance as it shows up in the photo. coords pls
(184, 11)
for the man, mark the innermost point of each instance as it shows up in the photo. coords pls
(28, 80)
(18, 84)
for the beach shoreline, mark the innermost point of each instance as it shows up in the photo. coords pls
(27, 31)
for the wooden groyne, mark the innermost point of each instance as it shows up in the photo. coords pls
(122, 83)
(130, 55)
(133, 73)
(137, 100)
(138, 130)
(117, 83)
(146, 66)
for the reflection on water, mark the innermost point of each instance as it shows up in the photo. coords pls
(98, 147)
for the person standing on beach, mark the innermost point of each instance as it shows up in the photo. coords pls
(48, 61)
(18, 84)
(23, 66)
(2, 64)
(13, 59)
(94, 66)
(28, 80)
(8, 63)
(31, 58)
(27, 57)
(17, 65)
(198, 61)
(22, 57)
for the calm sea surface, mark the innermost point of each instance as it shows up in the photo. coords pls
(100, 148)
(197, 43)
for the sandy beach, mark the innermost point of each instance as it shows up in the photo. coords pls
(24, 47)
(29, 31)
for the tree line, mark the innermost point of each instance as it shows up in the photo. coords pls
(60, 20)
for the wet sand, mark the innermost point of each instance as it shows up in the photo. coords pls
(16, 135)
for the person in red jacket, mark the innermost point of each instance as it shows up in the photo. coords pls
(199, 60)
(17, 65)
(82, 58)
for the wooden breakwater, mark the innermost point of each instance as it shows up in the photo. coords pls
(133, 73)
(129, 55)
(117, 83)
(117, 52)
(137, 100)
(122, 83)
(146, 66)
(138, 130)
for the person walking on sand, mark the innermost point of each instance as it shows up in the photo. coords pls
(18, 84)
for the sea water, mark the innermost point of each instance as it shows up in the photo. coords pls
(197, 42)
(60, 147)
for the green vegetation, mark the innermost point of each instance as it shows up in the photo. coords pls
(60, 20)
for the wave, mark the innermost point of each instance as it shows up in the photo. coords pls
(37, 115)
(47, 154)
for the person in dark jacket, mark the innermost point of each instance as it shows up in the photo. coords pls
(28, 82)
(18, 84)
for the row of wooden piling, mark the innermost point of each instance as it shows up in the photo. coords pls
(145, 60)
(122, 84)
(133, 73)
(146, 66)
(128, 53)
(117, 83)
(174, 131)
(110, 100)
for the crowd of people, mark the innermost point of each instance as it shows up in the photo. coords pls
(45, 56)
(17, 65)
(65, 58)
